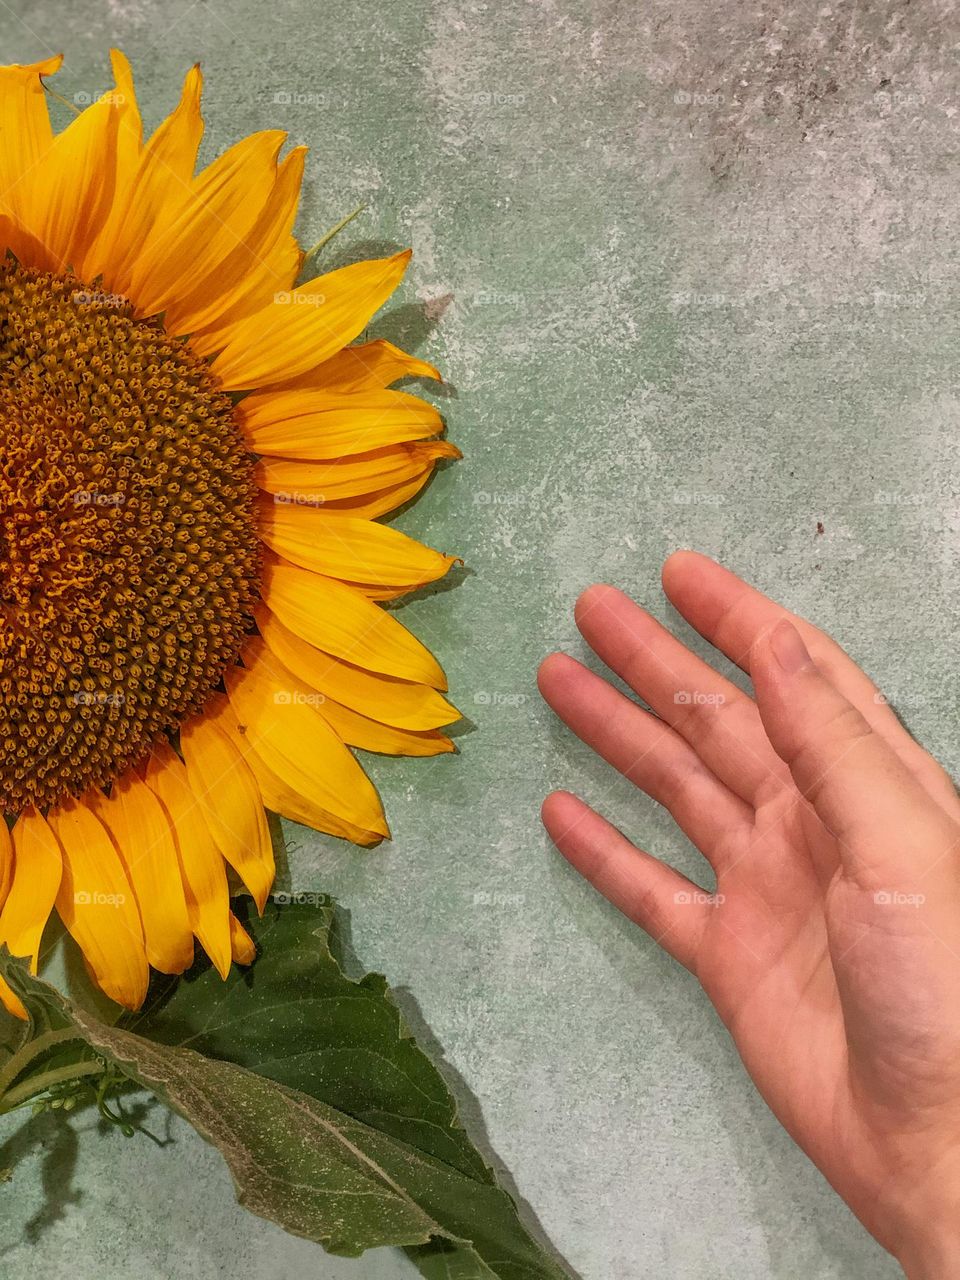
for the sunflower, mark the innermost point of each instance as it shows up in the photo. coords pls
(193, 461)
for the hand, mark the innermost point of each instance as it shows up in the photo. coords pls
(831, 948)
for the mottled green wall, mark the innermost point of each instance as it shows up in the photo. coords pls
(691, 272)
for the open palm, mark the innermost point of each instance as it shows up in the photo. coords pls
(831, 945)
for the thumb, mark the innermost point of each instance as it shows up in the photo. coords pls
(861, 791)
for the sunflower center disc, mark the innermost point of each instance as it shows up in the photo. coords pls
(128, 550)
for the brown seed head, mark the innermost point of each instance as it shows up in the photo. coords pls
(129, 560)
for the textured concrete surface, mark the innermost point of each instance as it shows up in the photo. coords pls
(690, 269)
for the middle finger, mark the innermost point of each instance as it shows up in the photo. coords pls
(716, 718)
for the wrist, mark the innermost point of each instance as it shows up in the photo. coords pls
(930, 1248)
(931, 1258)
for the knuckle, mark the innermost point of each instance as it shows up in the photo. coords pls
(636, 666)
(670, 777)
(644, 905)
(824, 745)
(725, 628)
(710, 715)
(844, 726)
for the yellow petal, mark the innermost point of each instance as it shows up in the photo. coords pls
(278, 795)
(327, 424)
(129, 144)
(25, 130)
(372, 735)
(229, 797)
(12, 1002)
(141, 831)
(379, 697)
(157, 190)
(26, 248)
(97, 906)
(242, 945)
(367, 366)
(68, 196)
(362, 475)
(343, 622)
(348, 548)
(296, 743)
(123, 87)
(222, 207)
(266, 261)
(297, 332)
(201, 866)
(37, 870)
(371, 506)
(129, 127)
(6, 862)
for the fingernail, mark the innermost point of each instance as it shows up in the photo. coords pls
(789, 649)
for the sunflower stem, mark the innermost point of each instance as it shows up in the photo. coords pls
(36, 1085)
(33, 1049)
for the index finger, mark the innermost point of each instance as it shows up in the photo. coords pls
(733, 615)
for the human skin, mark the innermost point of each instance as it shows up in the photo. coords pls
(831, 946)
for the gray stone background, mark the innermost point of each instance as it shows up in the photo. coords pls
(690, 270)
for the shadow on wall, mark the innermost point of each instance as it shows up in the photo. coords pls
(469, 1110)
(407, 326)
(54, 1137)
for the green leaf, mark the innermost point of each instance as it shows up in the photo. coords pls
(34, 1054)
(332, 1121)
